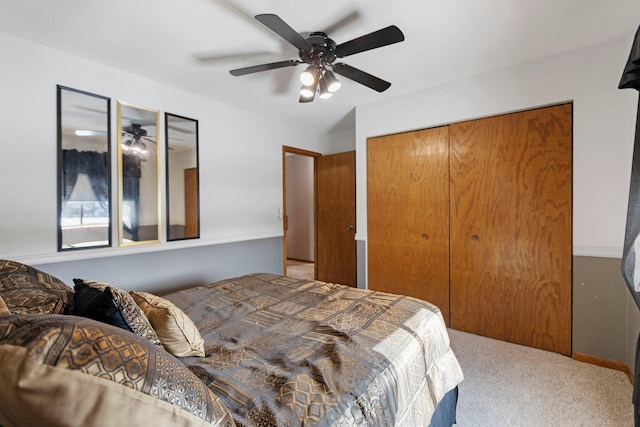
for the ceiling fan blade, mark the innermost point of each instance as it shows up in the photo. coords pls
(361, 77)
(137, 122)
(380, 38)
(281, 28)
(264, 67)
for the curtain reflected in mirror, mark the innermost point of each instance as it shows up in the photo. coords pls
(138, 170)
(183, 218)
(84, 172)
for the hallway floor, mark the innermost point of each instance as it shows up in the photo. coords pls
(300, 269)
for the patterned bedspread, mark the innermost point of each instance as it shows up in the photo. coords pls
(289, 352)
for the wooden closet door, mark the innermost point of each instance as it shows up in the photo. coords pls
(511, 227)
(408, 215)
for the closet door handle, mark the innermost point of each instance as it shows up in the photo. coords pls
(474, 237)
(425, 236)
(350, 228)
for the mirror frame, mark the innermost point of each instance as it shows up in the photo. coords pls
(60, 154)
(156, 114)
(168, 132)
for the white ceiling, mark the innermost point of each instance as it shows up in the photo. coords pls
(444, 40)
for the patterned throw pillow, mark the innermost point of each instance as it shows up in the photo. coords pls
(133, 316)
(177, 332)
(68, 370)
(28, 290)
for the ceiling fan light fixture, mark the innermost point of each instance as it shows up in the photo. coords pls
(139, 147)
(308, 76)
(332, 82)
(325, 93)
(126, 145)
(307, 92)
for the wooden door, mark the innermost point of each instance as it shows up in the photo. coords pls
(408, 215)
(511, 227)
(191, 202)
(336, 218)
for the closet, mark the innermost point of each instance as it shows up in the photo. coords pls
(475, 217)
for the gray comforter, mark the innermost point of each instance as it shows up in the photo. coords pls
(289, 352)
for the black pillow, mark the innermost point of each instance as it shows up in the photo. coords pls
(97, 305)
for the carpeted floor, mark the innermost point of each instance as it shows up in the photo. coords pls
(300, 269)
(511, 385)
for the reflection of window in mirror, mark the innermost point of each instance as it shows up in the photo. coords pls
(183, 219)
(84, 172)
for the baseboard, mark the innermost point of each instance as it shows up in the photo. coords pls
(300, 260)
(605, 363)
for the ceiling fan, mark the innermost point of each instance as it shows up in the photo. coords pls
(320, 53)
(135, 133)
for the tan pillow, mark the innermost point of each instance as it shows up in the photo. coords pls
(4, 310)
(68, 370)
(177, 332)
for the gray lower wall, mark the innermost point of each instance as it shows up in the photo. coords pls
(361, 272)
(164, 271)
(606, 320)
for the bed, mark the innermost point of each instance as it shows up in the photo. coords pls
(274, 351)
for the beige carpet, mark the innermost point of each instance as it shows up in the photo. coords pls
(511, 385)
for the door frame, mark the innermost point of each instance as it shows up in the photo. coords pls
(314, 155)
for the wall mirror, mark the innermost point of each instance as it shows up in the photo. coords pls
(138, 171)
(84, 171)
(183, 213)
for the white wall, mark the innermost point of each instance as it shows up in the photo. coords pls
(240, 153)
(603, 124)
(340, 141)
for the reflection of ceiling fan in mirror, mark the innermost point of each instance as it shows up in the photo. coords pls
(132, 136)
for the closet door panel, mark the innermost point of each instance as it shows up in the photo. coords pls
(408, 215)
(511, 227)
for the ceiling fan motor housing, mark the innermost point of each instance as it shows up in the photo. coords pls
(322, 51)
(136, 130)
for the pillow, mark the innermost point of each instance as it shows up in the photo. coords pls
(98, 305)
(177, 332)
(28, 290)
(67, 370)
(4, 310)
(96, 308)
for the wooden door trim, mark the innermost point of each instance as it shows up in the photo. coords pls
(293, 150)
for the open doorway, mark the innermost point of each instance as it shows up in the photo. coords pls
(299, 205)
